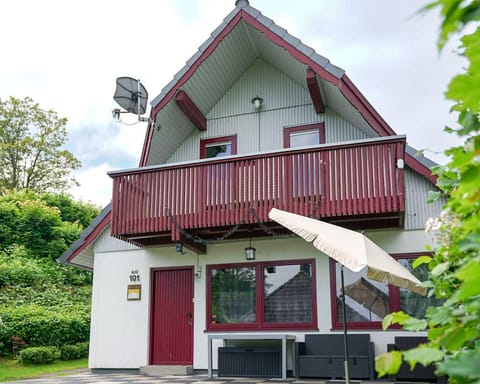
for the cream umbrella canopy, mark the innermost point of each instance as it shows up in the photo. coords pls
(352, 250)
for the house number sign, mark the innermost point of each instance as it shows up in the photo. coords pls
(134, 276)
(134, 291)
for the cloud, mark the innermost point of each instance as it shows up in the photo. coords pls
(96, 185)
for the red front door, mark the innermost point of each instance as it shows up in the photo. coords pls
(171, 336)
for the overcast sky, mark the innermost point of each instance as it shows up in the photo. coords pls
(66, 55)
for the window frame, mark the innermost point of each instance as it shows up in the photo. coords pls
(287, 131)
(259, 324)
(221, 139)
(393, 294)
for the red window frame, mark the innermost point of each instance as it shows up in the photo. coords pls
(393, 294)
(287, 131)
(260, 325)
(205, 142)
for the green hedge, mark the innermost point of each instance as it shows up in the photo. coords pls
(73, 352)
(41, 327)
(37, 355)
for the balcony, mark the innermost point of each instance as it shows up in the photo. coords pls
(357, 184)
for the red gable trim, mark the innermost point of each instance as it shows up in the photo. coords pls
(91, 237)
(147, 142)
(351, 92)
(418, 167)
(197, 63)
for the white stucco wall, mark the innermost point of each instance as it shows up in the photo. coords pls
(120, 328)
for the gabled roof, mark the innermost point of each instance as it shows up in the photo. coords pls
(244, 36)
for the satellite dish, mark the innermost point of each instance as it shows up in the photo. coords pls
(131, 95)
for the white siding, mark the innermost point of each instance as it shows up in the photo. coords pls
(338, 129)
(119, 336)
(285, 103)
(107, 243)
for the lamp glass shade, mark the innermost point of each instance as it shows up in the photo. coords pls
(257, 102)
(250, 253)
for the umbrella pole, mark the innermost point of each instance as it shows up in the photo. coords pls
(345, 338)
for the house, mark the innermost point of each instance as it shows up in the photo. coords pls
(254, 120)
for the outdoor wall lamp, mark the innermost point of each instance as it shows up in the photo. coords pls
(250, 251)
(257, 102)
(179, 248)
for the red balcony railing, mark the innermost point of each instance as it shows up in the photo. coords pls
(358, 178)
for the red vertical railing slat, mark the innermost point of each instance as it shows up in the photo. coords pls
(376, 195)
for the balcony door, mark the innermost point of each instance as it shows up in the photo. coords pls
(171, 336)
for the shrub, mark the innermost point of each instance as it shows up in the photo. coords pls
(83, 347)
(70, 352)
(36, 355)
(41, 327)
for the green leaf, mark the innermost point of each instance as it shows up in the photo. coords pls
(464, 364)
(433, 196)
(440, 268)
(470, 242)
(421, 260)
(438, 315)
(422, 355)
(456, 338)
(416, 325)
(470, 275)
(394, 318)
(388, 363)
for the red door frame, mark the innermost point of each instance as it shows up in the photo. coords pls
(189, 338)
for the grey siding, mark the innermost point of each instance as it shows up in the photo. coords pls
(417, 211)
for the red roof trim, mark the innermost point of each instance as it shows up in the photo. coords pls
(290, 49)
(147, 143)
(351, 92)
(418, 167)
(91, 237)
(197, 63)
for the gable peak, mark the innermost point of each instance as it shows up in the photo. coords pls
(241, 3)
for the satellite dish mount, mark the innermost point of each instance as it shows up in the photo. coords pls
(131, 95)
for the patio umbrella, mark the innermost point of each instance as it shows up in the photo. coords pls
(352, 250)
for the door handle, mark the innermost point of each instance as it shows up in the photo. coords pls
(190, 317)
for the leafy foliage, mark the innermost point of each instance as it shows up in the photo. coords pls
(42, 302)
(45, 224)
(453, 328)
(30, 148)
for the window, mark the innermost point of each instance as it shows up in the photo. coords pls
(267, 295)
(368, 301)
(304, 135)
(218, 147)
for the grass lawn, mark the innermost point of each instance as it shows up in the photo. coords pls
(11, 370)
